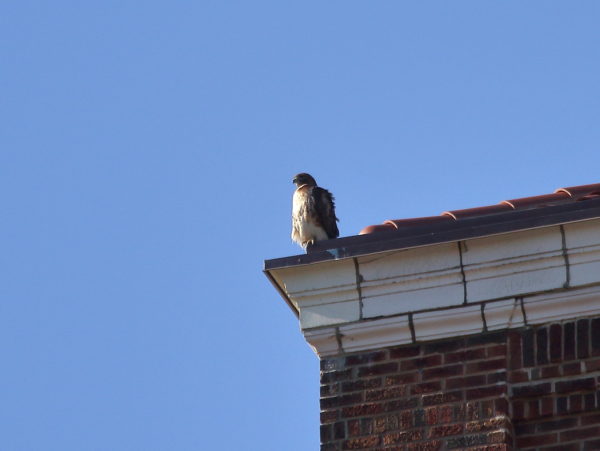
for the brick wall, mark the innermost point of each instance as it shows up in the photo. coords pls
(555, 383)
(529, 388)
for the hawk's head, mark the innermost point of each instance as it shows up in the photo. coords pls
(304, 179)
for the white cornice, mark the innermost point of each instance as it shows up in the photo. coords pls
(438, 290)
(445, 323)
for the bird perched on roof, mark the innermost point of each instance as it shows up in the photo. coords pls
(313, 212)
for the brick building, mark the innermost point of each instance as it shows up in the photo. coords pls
(477, 329)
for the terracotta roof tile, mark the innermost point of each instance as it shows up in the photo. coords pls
(411, 222)
(478, 211)
(538, 201)
(581, 190)
(560, 196)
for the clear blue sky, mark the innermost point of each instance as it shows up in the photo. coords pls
(146, 157)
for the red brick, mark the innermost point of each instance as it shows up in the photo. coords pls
(569, 341)
(464, 356)
(361, 410)
(330, 364)
(427, 387)
(571, 369)
(401, 404)
(387, 393)
(579, 434)
(404, 351)
(487, 425)
(397, 379)
(590, 419)
(563, 447)
(462, 382)
(354, 428)
(418, 403)
(431, 445)
(335, 376)
(498, 376)
(518, 376)
(587, 383)
(338, 401)
(575, 403)
(445, 431)
(591, 445)
(528, 347)
(595, 327)
(329, 390)
(583, 338)
(501, 406)
(402, 437)
(423, 362)
(518, 410)
(499, 447)
(555, 342)
(550, 371)
(329, 416)
(375, 370)
(486, 365)
(561, 405)
(547, 406)
(589, 401)
(367, 426)
(392, 423)
(466, 441)
(370, 357)
(487, 408)
(443, 398)
(339, 430)
(496, 351)
(524, 428)
(592, 365)
(326, 432)
(468, 411)
(500, 437)
(406, 419)
(556, 425)
(488, 338)
(541, 339)
(485, 392)
(438, 415)
(444, 346)
(532, 390)
(533, 409)
(537, 440)
(515, 354)
(362, 442)
(360, 384)
(442, 372)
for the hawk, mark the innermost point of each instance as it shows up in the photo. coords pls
(313, 212)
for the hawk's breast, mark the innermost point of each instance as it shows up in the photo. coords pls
(305, 221)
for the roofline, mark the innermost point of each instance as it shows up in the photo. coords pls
(282, 293)
(423, 235)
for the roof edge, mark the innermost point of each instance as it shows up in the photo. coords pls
(423, 235)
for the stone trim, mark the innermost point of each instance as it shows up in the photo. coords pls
(450, 322)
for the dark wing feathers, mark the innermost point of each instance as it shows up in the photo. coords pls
(325, 209)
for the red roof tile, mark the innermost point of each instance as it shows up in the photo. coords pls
(560, 196)
(399, 223)
(581, 190)
(478, 211)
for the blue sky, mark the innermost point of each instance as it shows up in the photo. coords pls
(146, 157)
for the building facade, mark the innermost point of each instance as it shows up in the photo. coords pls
(477, 329)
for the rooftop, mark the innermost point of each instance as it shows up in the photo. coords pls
(564, 205)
